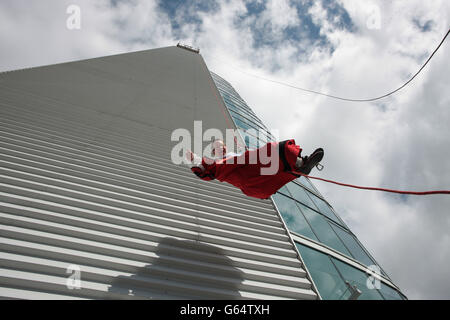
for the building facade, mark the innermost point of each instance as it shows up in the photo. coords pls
(92, 206)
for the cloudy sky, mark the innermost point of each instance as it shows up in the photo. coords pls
(351, 48)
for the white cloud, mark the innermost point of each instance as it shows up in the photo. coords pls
(279, 14)
(401, 142)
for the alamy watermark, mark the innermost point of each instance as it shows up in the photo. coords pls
(73, 22)
(373, 21)
(74, 280)
(267, 155)
(374, 276)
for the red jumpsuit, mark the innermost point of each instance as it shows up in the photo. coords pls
(246, 175)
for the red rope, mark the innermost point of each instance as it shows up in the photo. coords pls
(419, 193)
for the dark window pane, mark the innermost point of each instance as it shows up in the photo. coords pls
(241, 124)
(284, 190)
(390, 293)
(292, 216)
(328, 281)
(355, 249)
(307, 183)
(324, 208)
(323, 230)
(299, 194)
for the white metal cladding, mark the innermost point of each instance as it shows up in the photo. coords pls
(84, 185)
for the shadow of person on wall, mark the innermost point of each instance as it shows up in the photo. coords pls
(182, 269)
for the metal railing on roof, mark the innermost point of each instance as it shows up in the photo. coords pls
(187, 47)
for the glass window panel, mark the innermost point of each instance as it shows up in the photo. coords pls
(390, 293)
(323, 230)
(242, 111)
(253, 145)
(247, 141)
(263, 136)
(262, 140)
(255, 132)
(355, 249)
(298, 193)
(328, 281)
(241, 124)
(384, 273)
(245, 113)
(236, 99)
(259, 138)
(284, 190)
(230, 105)
(251, 124)
(245, 136)
(258, 131)
(292, 216)
(253, 140)
(358, 278)
(238, 106)
(307, 183)
(324, 208)
(230, 100)
(241, 114)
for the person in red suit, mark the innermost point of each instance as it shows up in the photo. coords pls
(259, 173)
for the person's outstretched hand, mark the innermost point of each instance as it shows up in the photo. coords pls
(193, 159)
(190, 156)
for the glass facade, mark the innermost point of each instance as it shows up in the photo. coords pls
(307, 214)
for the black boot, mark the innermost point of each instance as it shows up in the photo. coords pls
(311, 161)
